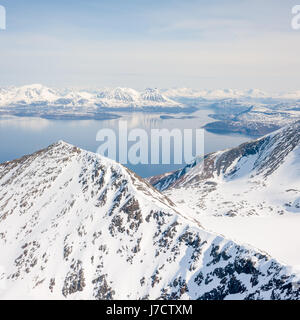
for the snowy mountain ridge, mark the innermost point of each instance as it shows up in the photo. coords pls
(219, 94)
(261, 177)
(75, 225)
(105, 98)
(121, 97)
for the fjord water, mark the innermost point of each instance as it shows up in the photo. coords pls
(20, 136)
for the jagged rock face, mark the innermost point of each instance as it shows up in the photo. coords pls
(258, 177)
(75, 225)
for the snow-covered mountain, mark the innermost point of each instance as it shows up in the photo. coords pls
(126, 95)
(76, 225)
(261, 177)
(126, 98)
(220, 94)
(29, 94)
(250, 112)
(252, 118)
(115, 98)
(216, 94)
(153, 95)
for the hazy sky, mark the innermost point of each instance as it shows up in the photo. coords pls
(156, 43)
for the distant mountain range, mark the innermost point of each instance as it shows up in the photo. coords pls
(75, 225)
(116, 98)
(251, 112)
(220, 94)
(38, 94)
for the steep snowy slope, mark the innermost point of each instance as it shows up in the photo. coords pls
(261, 177)
(76, 225)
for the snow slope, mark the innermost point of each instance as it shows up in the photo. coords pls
(261, 177)
(75, 225)
(277, 235)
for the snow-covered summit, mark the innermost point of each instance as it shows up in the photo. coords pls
(153, 95)
(121, 94)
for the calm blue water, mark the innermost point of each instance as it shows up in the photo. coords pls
(21, 136)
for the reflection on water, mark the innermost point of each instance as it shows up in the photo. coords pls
(34, 124)
(21, 136)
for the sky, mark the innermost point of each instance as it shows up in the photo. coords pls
(205, 44)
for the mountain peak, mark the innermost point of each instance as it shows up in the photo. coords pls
(71, 220)
(63, 143)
